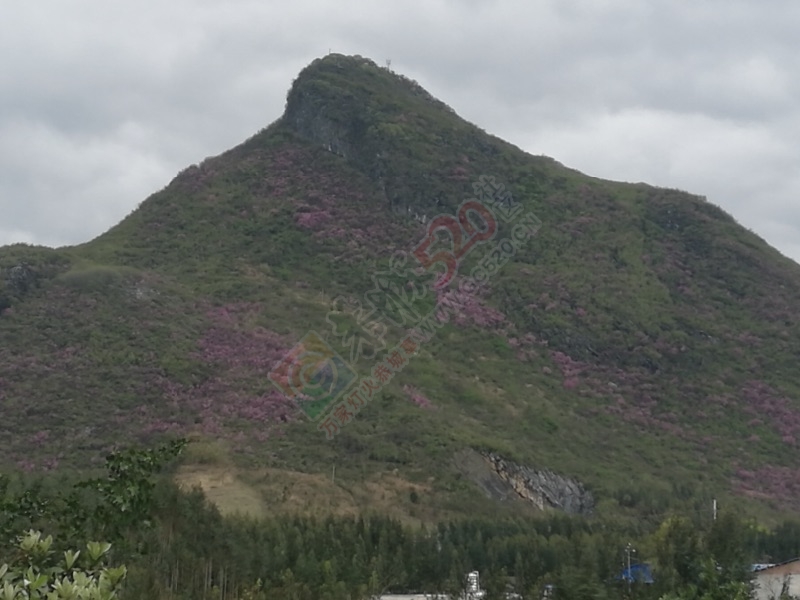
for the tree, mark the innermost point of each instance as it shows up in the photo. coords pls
(678, 553)
(725, 542)
(126, 493)
(495, 584)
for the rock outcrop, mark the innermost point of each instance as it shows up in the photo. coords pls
(20, 278)
(543, 487)
(508, 482)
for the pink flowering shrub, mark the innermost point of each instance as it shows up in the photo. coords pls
(417, 397)
(219, 405)
(569, 367)
(770, 482)
(468, 309)
(26, 465)
(765, 403)
(313, 220)
(241, 356)
(40, 437)
(332, 206)
(231, 343)
(636, 401)
(459, 173)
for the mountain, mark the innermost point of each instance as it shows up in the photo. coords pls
(632, 349)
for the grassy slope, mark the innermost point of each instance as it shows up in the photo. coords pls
(646, 344)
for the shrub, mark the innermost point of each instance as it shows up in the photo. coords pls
(34, 574)
(93, 278)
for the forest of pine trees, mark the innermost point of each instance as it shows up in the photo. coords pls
(177, 546)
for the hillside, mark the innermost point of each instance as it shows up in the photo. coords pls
(642, 343)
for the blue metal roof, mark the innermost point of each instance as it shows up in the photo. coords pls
(641, 573)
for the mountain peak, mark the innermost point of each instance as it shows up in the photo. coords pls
(412, 146)
(336, 99)
(641, 331)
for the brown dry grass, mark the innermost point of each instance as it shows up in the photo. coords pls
(270, 492)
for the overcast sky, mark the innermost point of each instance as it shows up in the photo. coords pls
(102, 102)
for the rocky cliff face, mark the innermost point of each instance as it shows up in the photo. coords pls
(543, 487)
(335, 103)
(507, 482)
(325, 112)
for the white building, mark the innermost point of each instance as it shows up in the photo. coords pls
(473, 591)
(771, 581)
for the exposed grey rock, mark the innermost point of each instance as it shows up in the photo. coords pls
(543, 487)
(20, 278)
(480, 471)
(141, 291)
(323, 117)
(507, 482)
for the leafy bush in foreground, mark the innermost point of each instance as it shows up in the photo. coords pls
(35, 573)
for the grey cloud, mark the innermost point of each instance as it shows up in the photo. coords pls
(102, 103)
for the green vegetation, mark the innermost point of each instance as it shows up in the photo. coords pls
(642, 342)
(175, 545)
(37, 576)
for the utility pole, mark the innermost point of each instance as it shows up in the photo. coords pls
(628, 550)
